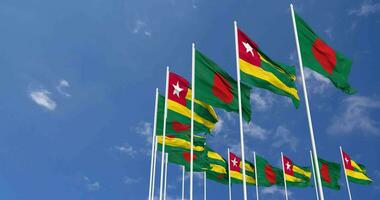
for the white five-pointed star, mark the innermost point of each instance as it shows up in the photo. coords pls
(248, 48)
(288, 166)
(234, 162)
(346, 159)
(177, 89)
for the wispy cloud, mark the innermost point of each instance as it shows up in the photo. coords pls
(145, 129)
(316, 83)
(91, 185)
(283, 137)
(328, 32)
(356, 115)
(61, 86)
(41, 97)
(218, 126)
(126, 149)
(141, 27)
(275, 190)
(130, 180)
(262, 100)
(255, 131)
(365, 9)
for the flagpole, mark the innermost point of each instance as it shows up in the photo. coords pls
(204, 186)
(313, 145)
(257, 179)
(153, 147)
(192, 118)
(345, 173)
(154, 167)
(315, 180)
(183, 182)
(229, 176)
(166, 174)
(240, 112)
(283, 171)
(164, 133)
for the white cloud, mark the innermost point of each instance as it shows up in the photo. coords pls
(41, 97)
(218, 126)
(60, 87)
(356, 115)
(275, 190)
(365, 9)
(126, 149)
(262, 100)
(316, 83)
(145, 129)
(141, 27)
(328, 32)
(130, 180)
(283, 137)
(255, 131)
(91, 185)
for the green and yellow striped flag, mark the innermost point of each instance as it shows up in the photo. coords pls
(356, 173)
(295, 175)
(179, 144)
(218, 167)
(236, 170)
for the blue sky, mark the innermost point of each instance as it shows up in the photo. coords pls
(78, 80)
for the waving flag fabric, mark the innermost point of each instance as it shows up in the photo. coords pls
(356, 173)
(236, 170)
(295, 175)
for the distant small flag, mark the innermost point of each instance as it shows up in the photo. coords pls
(295, 175)
(330, 173)
(218, 167)
(236, 170)
(267, 175)
(356, 173)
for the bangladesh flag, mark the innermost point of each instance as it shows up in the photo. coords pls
(179, 110)
(258, 70)
(176, 143)
(356, 173)
(200, 160)
(330, 173)
(320, 57)
(215, 87)
(218, 167)
(267, 175)
(295, 175)
(236, 170)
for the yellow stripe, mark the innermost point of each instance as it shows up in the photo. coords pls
(209, 108)
(183, 110)
(215, 156)
(357, 175)
(258, 72)
(293, 178)
(301, 171)
(248, 167)
(177, 142)
(356, 166)
(239, 176)
(218, 169)
(277, 68)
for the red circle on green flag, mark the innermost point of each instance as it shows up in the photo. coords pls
(325, 55)
(269, 174)
(222, 89)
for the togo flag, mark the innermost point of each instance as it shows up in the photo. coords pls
(218, 167)
(175, 143)
(236, 170)
(179, 110)
(258, 70)
(295, 175)
(356, 173)
(320, 57)
(215, 87)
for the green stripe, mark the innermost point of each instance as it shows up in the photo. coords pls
(359, 181)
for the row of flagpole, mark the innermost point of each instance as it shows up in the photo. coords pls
(314, 155)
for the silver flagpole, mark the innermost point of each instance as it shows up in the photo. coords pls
(229, 176)
(192, 118)
(240, 112)
(164, 133)
(153, 147)
(257, 179)
(166, 174)
(204, 186)
(154, 167)
(313, 145)
(283, 171)
(345, 173)
(315, 180)
(183, 182)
